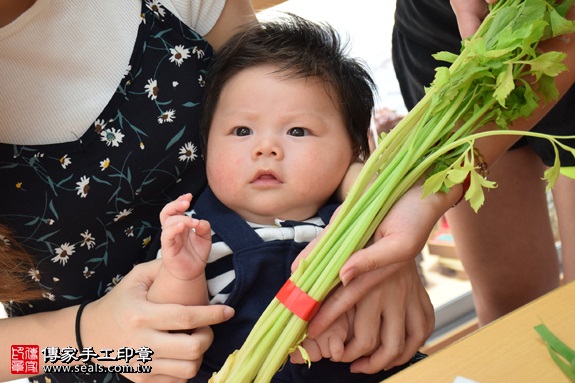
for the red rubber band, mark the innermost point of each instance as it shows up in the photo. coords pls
(297, 301)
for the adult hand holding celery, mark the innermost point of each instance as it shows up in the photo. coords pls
(499, 76)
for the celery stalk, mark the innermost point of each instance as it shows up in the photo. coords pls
(562, 355)
(485, 83)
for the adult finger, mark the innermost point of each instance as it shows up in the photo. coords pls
(469, 14)
(380, 255)
(179, 317)
(391, 347)
(344, 298)
(181, 346)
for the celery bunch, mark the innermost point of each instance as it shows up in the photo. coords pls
(487, 82)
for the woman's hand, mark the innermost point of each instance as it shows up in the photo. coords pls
(470, 15)
(383, 275)
(392, 321)
(125, 318)
(384, 329)
(393, 317)
(402, 234)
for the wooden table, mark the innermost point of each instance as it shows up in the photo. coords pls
(508, 350)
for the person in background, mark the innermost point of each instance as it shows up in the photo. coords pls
(507, 248)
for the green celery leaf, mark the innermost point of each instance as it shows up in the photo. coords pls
(550, 63)
(445, 56)
(475, 194)
(568, 171)
(552, 173)
(456, 176)
(547, 88)
(563, 7)
(560, 25)
(505, 84)
(501, 20)
(434, 183)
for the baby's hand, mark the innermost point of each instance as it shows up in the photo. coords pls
(330, 344)
(186, 241)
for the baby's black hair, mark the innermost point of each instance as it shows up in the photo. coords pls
(299, 48)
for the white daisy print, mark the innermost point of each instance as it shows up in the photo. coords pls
(188, 152)
(34, 274)
(156, 7)
(123, 214)
(49, 296)
(63, 253)
(179, 54)
(99, 126)
(114, 282)
(152, 89)
(201, 81)
(87, 272)
(88, 240)
(199, 52)
(127, 71)
(104, 164)
(112, 137)
(83, 186)
(167, 116)
(65, 161)
(129, 231)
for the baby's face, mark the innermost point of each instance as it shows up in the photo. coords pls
(277, 146)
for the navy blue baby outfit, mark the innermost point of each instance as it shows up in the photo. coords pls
(261, 270)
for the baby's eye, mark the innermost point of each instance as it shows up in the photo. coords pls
(242, 131)
(298, 132)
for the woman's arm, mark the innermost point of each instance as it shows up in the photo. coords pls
(235, 14)
(426, 210)
(405, 230)
(124, 318)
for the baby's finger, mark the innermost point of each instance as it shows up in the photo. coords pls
(202, 228)
(174, 226)
(336, 346)
(180, 220)
(311, 348)
(179, 206)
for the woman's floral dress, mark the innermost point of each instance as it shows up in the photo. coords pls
(88, 210)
